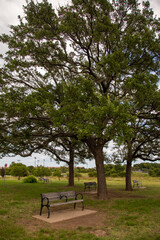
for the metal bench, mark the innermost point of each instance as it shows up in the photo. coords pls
(42, 179)
(60, 198)
(90, 185)
(137, 183)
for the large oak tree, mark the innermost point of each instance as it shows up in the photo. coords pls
(65, 73)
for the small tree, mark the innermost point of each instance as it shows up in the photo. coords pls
(77, 174)
(19, 170)
(42, 171)
(3, 172)
(30, 169)
(57, 173)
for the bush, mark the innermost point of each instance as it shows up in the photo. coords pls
(30, 179)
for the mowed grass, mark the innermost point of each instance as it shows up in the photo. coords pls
(127, 215)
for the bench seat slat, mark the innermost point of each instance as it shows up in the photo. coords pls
(64, 203)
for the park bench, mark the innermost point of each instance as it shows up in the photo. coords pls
(90, 185)
(54, 199)
(42, 179)
(137, 183)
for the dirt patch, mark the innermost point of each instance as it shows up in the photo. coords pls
(100, 233)
(114, 194)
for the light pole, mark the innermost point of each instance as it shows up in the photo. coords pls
(37, 163)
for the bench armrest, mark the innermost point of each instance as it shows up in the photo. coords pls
(64, 196)
(80, 195)
(45, 198)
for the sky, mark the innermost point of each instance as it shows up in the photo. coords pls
(9, 11)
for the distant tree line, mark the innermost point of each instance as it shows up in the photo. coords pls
(111, 170)
(21, 170)
(153, 169)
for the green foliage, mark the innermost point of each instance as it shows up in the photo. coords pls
(77, 174)
(8, 170)
(92, 173)
(30, 169)
(63, 169)
(18, 169)
(30, 179)
(42, 171)
(82, 169)
(57, 172)
(114, 170)
(153, 169)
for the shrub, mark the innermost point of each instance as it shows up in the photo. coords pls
(30, 179)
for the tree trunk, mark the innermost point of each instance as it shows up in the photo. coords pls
(101, 178)
(128, 176)
(129, 167)
(97, 150)
(71, 167)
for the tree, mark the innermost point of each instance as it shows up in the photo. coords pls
(144, 138)
(42, 171)
(77, 174)
(69, 151)
(143, 144)
(68, 73)
(57, 173)
(30, 169)
(3, 172)
(18, 169)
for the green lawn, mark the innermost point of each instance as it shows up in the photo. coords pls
(127, 215)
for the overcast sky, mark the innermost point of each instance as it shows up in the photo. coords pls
(9, 11)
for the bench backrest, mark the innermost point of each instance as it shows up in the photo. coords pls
(89, 183)
(68, 194)
(58, 195)
(51, 196)
(135, 181)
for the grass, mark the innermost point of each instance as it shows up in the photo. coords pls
(127, 215)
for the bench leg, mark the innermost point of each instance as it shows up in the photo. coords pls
(74, 205)
(41, 210)
(48, 212)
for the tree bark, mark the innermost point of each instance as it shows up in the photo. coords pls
(128, 176)
(129, 168)
(71, 167)
(97, 150)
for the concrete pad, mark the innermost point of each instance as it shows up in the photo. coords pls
(62, 215)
